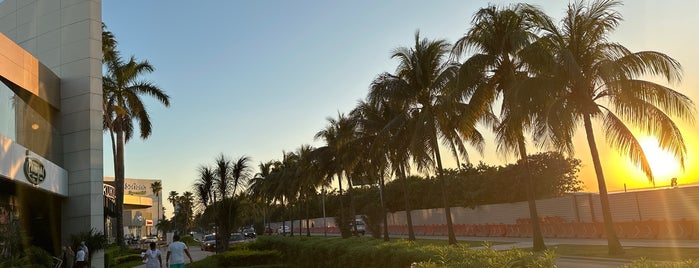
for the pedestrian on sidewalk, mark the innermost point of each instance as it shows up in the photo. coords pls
(80, 259)
(152, 257)
(175, 253)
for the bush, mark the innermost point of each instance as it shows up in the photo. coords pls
(486, 258)
(351, 252)
(645, 263)
(128, 258)
(367, 252)
(247, 257)
(116, 255)
(189, 240)
(33, 257)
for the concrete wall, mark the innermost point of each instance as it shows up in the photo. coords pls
(663, 204)
(670, 204)
(66, 36)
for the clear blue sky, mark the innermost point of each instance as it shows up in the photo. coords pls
(257, 78)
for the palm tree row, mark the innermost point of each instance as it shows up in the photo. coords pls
(524, 76)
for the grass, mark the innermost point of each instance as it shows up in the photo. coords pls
(632, 253)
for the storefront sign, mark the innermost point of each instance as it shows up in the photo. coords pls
(135, 188)
(109, 191)
(34, 170)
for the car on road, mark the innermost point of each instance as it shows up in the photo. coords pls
(284, 230)
(209, 242)
(249, 233)
(358, 228)
(236, 238)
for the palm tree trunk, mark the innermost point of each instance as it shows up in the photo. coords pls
(284, 219)
(445, 198)
(383, 206)
(406, 201)
(537, 237)
(342, 207)
(613, 243)
(308, 215)
(352, 212)
(119, 186)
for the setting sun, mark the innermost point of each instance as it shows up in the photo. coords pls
(663, 164)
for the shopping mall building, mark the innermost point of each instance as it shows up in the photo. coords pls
(50, 122)
(143, 208)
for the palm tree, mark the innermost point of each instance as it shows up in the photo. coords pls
(204, 186)
(258, 187)
(394, 117)
(157, 187)
(223, 178)
(122, 87)
(240, 172)
(339, 156)
(499, 36)
(378, 130)
(310, 178)
(426, 82)
(599, 79)
(173, 200)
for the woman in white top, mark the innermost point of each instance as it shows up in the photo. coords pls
(152, 257)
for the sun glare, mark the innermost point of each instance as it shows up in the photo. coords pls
(663, 164)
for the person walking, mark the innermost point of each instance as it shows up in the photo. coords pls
(175, 253)
(80, 259)
(68, 257)
(87, 251)
(152, 257)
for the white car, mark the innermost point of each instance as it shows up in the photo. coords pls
(284, 229)
(149, 239)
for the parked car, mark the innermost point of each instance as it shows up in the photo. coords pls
(358, 228)
(151, 238)
(284, 230)
(236, 238)
(209, 242)
(249, 233)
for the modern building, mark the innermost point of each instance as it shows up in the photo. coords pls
(143, 208)
(50, 122)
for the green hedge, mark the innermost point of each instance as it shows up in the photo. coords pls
(247, 257)
(367, 252)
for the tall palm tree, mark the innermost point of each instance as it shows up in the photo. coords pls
(498, 36)
(394, 136)
(258, 187)
(204, 186)
(599, 79)
(223, 169)
(240, 172)
(123, 87)
(378, 130)
(310, 178)
(157, 187)
(426, 81)
(172, 198)
(341, 157)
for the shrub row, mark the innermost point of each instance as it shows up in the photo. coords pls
(247, 257)
(367, 252)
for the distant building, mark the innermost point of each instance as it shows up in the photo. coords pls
(50, 123)
(143, 209)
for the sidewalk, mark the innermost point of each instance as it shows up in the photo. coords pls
(195, 251)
